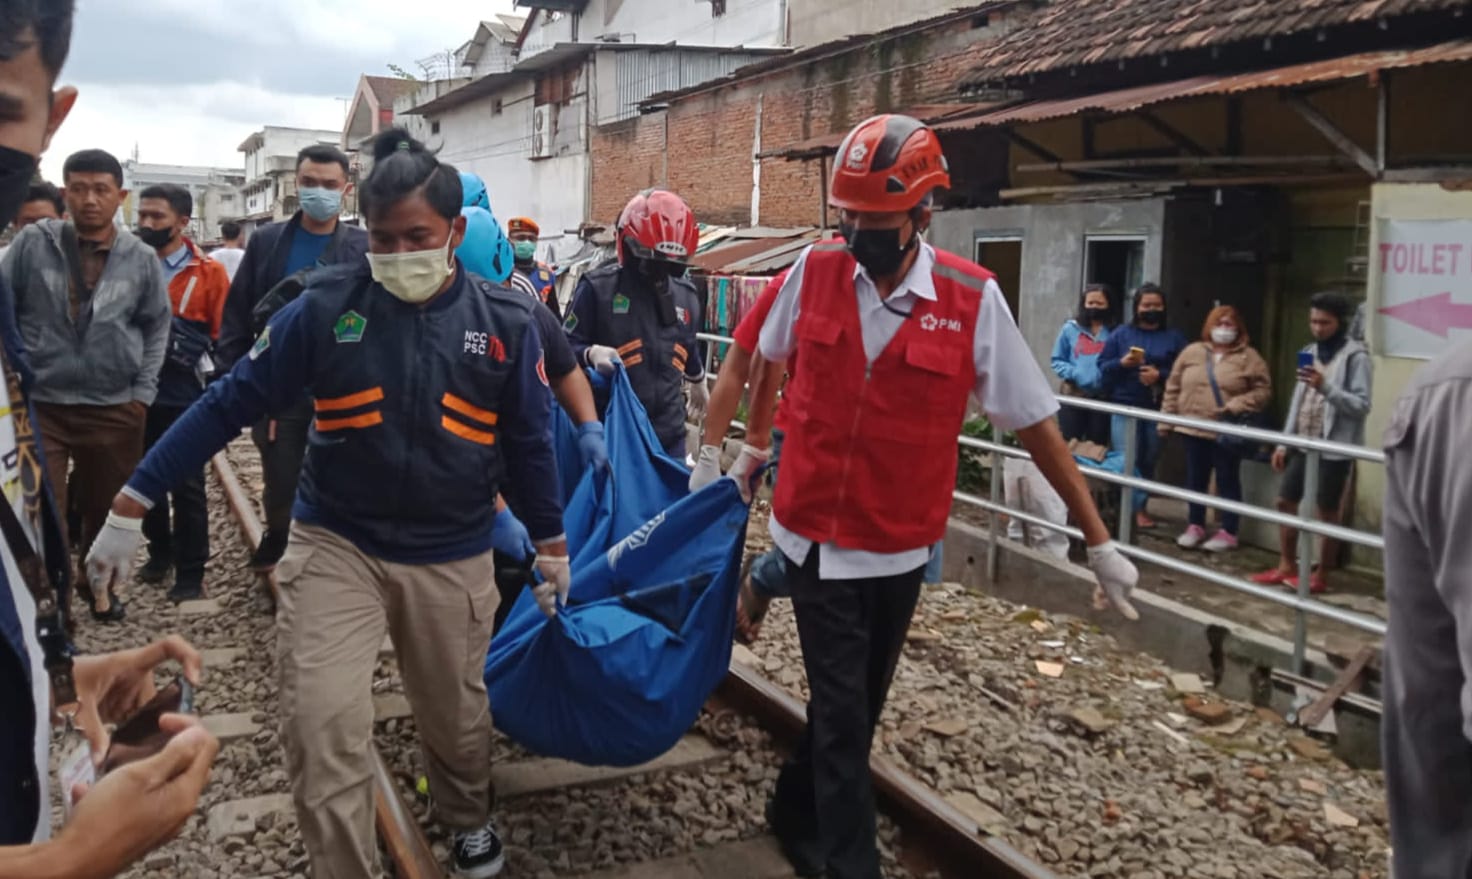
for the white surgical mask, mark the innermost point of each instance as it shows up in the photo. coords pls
(415, 276)
(1223, 335)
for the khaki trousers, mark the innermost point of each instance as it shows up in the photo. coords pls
(336, 603)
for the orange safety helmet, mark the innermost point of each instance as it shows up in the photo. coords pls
(657, 225)
(887, 164)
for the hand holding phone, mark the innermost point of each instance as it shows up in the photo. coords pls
(141, 735)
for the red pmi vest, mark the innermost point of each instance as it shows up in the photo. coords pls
(869, 460)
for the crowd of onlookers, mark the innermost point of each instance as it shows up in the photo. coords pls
(1147, 364)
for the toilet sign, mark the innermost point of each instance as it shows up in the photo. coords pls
(1425, 272)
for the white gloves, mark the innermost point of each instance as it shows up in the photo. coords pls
(747, 467)
(699, 400)
(602, 358)
(707, 468)
(110, 562)
(1117, 578)
(556, 580)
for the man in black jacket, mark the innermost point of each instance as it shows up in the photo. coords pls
(314, 237)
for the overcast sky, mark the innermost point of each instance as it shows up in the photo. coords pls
(188, 80)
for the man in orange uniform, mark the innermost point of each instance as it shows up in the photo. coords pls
(894, 337)
(198, 287)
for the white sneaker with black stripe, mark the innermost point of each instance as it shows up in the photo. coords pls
(478, 853)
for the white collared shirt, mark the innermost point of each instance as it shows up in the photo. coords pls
(1019, 397)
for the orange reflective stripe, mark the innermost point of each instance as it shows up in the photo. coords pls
(455, 404)
(470, 433)
(632, 346)
(680, 352)
(634, 360)
(679, 363)
(325, 425)
(351, 401)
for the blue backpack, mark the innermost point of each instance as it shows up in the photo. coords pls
(620, 674)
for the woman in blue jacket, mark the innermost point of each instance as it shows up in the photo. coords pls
(1135, 364)
(1076, 362)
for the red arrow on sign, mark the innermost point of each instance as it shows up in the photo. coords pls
(1434, 314)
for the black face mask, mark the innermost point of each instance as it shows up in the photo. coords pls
(1150, 319)
(16, 169)
(878, 250)
(1093, 315)
(155, 238)
(657, 275)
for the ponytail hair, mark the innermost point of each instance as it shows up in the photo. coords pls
(403, 166)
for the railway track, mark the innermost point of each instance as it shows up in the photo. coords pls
(938, 838)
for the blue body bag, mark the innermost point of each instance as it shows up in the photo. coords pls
(620, 674)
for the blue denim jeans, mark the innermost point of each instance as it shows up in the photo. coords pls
(1147, 451)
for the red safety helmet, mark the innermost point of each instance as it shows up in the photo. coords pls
(887, 164)
(657, 225)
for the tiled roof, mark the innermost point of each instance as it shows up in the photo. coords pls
(1079, 33)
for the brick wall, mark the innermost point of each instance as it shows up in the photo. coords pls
(710, 135)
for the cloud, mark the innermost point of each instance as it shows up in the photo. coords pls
(297, 46)
(181, 124)
(188, 80)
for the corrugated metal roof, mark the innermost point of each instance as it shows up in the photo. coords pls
(827, 144)
(1079, 33)
(755, 255)
(1130, 99)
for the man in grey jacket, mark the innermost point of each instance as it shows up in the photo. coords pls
(94, 315)
(1427, 731)
(1330, 402)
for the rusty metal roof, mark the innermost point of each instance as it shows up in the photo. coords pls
(754, 255)
(827, 144)
(1079, 33)
(1131, 99)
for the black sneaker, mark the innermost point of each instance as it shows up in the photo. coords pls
(478, 853)
(272, 548)
(186, 592)
(115, 612)
(155, 571)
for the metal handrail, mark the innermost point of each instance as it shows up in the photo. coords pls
(1323, 529)
(1222, 428)
(1287, 599)
(1300, 603)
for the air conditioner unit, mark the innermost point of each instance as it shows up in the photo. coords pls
(542, 131)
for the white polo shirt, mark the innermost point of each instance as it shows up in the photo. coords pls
(1010, 386)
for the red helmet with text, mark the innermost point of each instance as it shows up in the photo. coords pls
(887, 164)
(657, 225)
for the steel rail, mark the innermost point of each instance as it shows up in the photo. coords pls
(962, 848)
(401, 834)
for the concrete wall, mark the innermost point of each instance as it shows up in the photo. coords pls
(1053, 252)
(745, 23)
(813, 22)
(498, 148)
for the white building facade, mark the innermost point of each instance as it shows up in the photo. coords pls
(269, 191)
(216, 193)
(521, 120)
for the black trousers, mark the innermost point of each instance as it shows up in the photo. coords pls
(187, 542)
(852, 632)
(281, 462)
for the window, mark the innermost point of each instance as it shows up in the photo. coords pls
(1002, 256)
(496, 107)
(434, 127)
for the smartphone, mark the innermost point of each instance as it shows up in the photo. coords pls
(1136, 351)
(1305, 360)
(139, 736)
